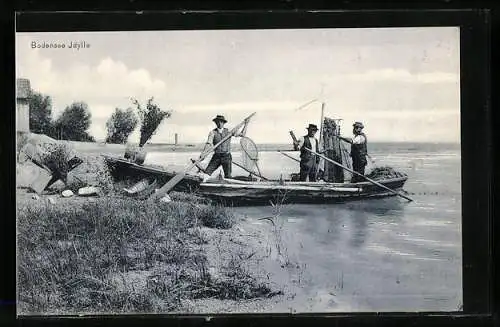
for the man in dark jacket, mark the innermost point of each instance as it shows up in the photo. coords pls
(359, 151)
(308, 161)
(222, 154)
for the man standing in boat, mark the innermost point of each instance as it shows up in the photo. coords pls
(359, 151)
(222, 154)
(308, 161)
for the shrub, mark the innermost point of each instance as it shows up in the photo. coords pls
(92, 172)
(56, 157)
(150, 118)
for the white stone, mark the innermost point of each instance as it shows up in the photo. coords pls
(166, 199)
(67, 193)
(88, 190)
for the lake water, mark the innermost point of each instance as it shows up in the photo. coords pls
(379, 254)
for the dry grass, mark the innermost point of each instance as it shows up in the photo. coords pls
(83, 259)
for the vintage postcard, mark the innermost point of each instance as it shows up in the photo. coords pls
(239, 171)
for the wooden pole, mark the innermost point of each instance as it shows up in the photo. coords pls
(321, 122)
(354, 172)
(251, 172)
(320, 134)
(289, 156)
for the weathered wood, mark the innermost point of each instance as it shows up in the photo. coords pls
(208, 186)
(122, 169)
(240, 193)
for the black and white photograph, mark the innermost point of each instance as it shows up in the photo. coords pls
(238, 171)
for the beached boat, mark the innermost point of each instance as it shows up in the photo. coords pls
(241, 191)
(236, 192)
(124, 170)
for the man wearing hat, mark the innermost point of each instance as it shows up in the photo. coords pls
(222, 154)
(308, 161)
(359, 151)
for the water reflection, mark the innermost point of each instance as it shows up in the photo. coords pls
(358, 236)
(386, 208)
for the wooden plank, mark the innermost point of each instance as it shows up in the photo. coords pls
(281, 187)
(312, 184)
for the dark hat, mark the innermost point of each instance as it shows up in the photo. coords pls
(312, 127)
(358, 124)
(221, 118)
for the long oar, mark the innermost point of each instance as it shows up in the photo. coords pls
(180, 176)
(354, 172)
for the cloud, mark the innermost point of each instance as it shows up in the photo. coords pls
(105, 86)
(109, 82)
(402, 76)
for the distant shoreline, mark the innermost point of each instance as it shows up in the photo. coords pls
(104, 148)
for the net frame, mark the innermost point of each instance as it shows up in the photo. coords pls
(250, 154)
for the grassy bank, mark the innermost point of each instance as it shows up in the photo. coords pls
(116, 255)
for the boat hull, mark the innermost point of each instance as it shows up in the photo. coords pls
(122, 169)
(234, 193)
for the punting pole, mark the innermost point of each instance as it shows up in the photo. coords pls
(354, 172)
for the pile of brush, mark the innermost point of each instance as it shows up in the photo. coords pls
(385, 172)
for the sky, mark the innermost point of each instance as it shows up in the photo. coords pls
(402, 83)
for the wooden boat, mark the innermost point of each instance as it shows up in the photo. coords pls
(235, 192)
(241, 191)
(122, 169)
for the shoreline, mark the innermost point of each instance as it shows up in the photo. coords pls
(246, 239)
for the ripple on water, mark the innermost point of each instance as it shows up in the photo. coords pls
(432, 223)
(424, 241)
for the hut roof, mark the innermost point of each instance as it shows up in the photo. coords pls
(23, 88)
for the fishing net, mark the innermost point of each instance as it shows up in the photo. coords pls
(347, 161)
(250, 154)
(333, 150)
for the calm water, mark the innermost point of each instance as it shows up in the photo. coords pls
(374, 255)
